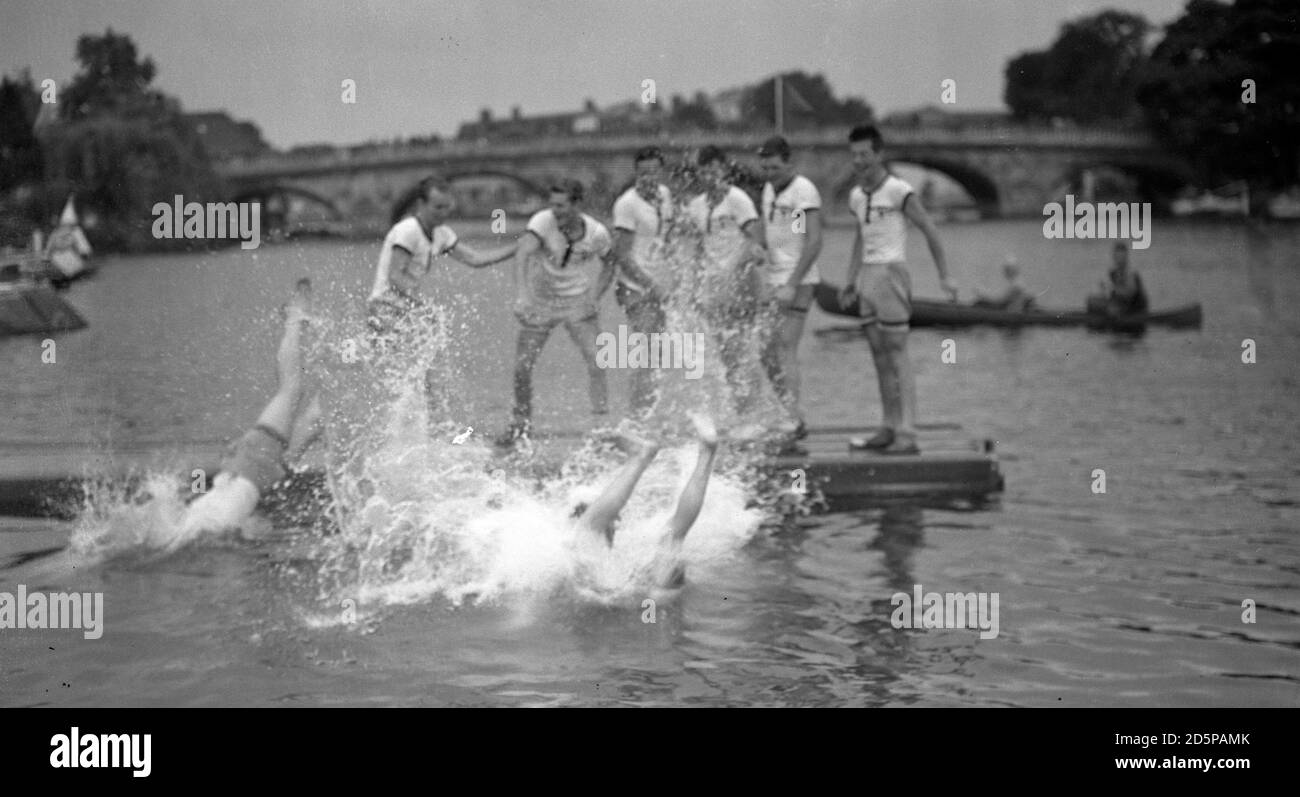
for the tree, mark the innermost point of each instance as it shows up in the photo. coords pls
(1193, 94)
(697, 113)
(1089, 74)
(111, 78)
(124, 146)
(808, 101)
(20, 152)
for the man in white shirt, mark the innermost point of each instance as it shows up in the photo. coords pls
(641, 214)
(563, 267)
(879, 283)
(410, 248)
(726, 287)
(407, 255)
(792, 230)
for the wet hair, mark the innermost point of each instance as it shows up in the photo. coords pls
(776, 146)
(569, 187)
(418, 193)
(711, 154)
(649, 153)
(867, 133)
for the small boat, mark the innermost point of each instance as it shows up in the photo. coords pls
(30, 307)
(938, 313)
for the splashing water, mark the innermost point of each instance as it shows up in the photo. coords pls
(420, 518)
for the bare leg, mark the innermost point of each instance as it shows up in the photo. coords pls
(904, 380)
(780, 359)
(599, 517)
(887, 377)
(692, 498)
(280, 411)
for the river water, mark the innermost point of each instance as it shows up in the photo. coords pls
(1133, 596)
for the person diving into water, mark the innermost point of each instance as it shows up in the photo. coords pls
(287, 426)
(600, 516)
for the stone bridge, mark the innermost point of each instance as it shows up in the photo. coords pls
(1008, 171)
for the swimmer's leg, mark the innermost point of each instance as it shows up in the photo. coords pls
(306, 428)
(280, 410)
(692, 498)
(600, 515)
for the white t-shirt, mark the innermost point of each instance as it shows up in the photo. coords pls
(784, 245)
(646, 222)
(725, 243)
(407, 234)
(722, 224)
(881, 220)
(553, 283)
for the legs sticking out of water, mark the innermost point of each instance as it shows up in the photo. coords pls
(282, 410)
(599, 517)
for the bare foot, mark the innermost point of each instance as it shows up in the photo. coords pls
(626, 437)
(636, 446)
(704, 429)
(299, 305)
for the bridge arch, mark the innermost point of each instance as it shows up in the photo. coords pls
(263, 192)
(528, 188)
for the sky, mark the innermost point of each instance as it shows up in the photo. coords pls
(424, 67)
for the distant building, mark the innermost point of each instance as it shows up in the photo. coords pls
(224, 137)
(728, 105)
(625, 117)
(936, 116)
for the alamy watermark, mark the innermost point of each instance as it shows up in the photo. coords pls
(1099, 220)
(83, 610)
(684, 350)
(949, 610)
(181, 219)
(93, 751)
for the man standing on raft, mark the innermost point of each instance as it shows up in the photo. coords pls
(879, 284)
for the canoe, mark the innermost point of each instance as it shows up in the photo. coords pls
(29, 309)
(938, 313)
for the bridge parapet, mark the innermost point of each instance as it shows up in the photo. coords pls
(896, 137)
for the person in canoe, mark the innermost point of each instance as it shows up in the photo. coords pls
(1013, 298)
(1124, 294)
(68, 248)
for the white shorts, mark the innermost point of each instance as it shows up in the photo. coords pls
(227, 505)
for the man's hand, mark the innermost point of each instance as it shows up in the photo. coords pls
(785, 296)
(949, 287)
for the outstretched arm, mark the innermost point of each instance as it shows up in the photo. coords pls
(915, 212)
(529, 243)
(481, 258)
